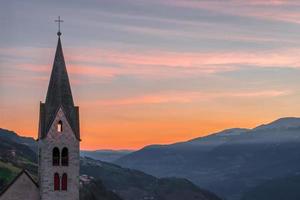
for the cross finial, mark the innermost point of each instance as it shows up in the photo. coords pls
(59, 21)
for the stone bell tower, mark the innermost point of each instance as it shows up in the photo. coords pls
(59, 136)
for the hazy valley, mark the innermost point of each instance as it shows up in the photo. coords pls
(99, 180)
(236, 164)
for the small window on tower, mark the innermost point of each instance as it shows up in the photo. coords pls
(64, 182)
(55, 156)
(56, 182)
(65, 157)
(59, 127)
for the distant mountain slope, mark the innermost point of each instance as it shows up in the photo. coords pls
(229, 162)
(105, 155)
(28, 141)
(277, 189)
(136, 185)
(118, 183)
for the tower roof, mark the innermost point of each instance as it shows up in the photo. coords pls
(59, 89)
(59, 95)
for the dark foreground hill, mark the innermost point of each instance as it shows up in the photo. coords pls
(136, 185)
(15, 154)
(95, 190)
(277, 189)
(99, 180)
(228, 163)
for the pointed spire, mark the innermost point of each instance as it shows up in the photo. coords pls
(59, 90)
(59, 95)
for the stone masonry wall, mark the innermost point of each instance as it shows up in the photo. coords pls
(66, 138)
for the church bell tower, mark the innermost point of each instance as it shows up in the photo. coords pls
(59, 136)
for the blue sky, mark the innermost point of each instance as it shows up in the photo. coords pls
(153, 71)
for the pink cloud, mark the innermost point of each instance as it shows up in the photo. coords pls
(185, 97)
(33, 67)
(210, 62)
(93, 63)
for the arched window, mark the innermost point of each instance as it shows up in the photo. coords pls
(59, 126)
(55, 156)
(64, 182)
(56, 182)
(65, 157)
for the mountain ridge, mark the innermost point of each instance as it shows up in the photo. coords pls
(276, 124)
(228, 162)
(280, 123)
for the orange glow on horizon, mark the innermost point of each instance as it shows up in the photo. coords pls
(119, 134)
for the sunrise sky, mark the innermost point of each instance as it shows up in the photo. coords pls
(152, 72)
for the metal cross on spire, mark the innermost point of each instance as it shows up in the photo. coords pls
(59, 21)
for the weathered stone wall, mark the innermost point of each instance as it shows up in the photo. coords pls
(46, 171)
(23, 188)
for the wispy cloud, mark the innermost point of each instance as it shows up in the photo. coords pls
(92, 62)
(185, 97)
(276, 10)
(204, 61)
